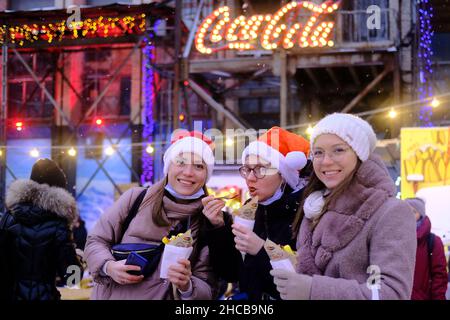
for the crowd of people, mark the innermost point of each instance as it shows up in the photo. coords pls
(331, 199)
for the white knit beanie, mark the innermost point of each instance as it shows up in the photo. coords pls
(194, 142)
(357, 132)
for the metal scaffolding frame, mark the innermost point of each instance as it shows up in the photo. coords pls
(175, 72)
(8, 47)
(354, 52)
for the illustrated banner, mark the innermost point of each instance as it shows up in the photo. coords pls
(425, 155)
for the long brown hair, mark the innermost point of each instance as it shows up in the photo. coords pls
(315, 184)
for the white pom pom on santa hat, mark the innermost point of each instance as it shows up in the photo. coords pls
(296, 160)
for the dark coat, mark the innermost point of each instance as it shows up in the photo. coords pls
(80, 234)
(430, 275)
(273, 221)
(40, 244)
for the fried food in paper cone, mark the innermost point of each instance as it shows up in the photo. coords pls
(277, 252)
(183, 240)
(248, 210)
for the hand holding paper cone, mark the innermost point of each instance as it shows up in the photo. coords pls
(245, 216)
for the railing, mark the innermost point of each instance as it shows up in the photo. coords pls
(351, 29)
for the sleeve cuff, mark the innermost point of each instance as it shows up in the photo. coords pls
(188, 293)
(103, 270)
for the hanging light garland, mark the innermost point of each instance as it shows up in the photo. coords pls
(149, 98)
(101, 27)
(425, 12)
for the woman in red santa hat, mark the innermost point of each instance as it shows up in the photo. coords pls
(172, 203)
(270, 168)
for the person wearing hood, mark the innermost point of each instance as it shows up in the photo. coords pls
(355, 240)
(38, 222)
(430, 275)
(270, 168)
(169, 203)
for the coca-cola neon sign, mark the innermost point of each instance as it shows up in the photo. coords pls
(302, 24)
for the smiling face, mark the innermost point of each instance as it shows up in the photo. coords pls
(265, 187)
(187, 173)
(333, 159)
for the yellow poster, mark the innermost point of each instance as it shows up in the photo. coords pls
(425, 155)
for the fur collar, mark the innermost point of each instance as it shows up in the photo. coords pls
(53, 199)
(345, 217)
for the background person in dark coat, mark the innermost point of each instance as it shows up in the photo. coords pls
(40, 244)
(430, 274)
(278, 187)
(79, 233)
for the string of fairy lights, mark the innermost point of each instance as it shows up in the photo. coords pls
(148, 91)
(425, 53)
(242, 33)
(88, 28)
(229, 140)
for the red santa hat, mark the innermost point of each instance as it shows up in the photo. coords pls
(194, 142)
(285, 151)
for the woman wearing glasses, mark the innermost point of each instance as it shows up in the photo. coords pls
(356, 240)
(271, 171)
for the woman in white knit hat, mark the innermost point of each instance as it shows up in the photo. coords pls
(171, 205)
(355, 239)
(271, 171)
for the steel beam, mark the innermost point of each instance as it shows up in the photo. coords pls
(3, 123)
(367, 89)
(217, 106)
(313, 78)
(354, 76)
(333, 77)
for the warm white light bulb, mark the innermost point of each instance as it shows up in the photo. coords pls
(34, 153)
(149, 149)
(109, 151)
(435, 103)
(72, 152)
(392, 114)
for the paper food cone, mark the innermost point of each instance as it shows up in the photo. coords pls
(249, 224)
(279, 257)
(285, 264)
(245, 216)
(170, 256)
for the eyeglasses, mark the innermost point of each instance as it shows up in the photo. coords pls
(336, 154)
(259, 171)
